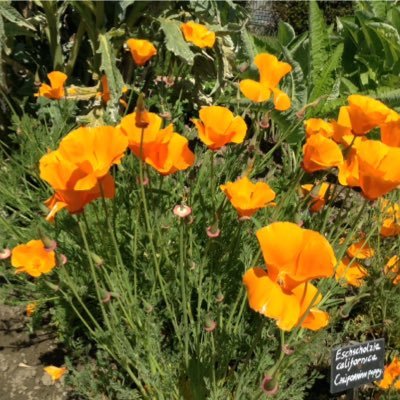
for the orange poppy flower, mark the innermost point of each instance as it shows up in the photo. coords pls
(294, 255)
(271, 73)
(31, 308)
(360, 249)
(198, 34)
(317, 125)
(321, 153)
(78, 170)
(163, 149)
(286, 307)
(379, 168)
(248, 197)
(390, 130)
(56, 88)
(217, 126)
(365, 113)
(55, 372)
(391, 222)
(390, 374)
(141, 50)
(318, 194)
(392, 267)
(352, 274)
(33, 258)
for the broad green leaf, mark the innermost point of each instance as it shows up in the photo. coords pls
(11, 14)
(174, 40)
(285, 33)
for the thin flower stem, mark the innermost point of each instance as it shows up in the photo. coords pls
(183, 293)
(212, 185)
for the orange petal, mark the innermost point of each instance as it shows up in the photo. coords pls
(281, 100)
(254, 91)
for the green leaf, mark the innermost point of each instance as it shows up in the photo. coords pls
(8, 12)
(285, 33)
(174, 40)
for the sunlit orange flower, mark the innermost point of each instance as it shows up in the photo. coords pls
(391, 221)
(198, 34)
(390, 374)
(248, 197)
(286, 307)
(271, 73)
(352, 274)
(217, 126)
(163, 149)
(33, 258)
(360, 249)
(317, 125)
(55, 372)
(365, 113)
(294, 255)
(318, 193)
(78, 170)
(378, 168)
(31, 308)
(390, 130)
(56, 88)
(321, 153)
(392, 268)
(141, 50)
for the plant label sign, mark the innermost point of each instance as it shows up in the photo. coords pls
(355, 365)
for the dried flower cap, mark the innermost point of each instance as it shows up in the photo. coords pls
(321, 153)
(33, 258)
(248, 197)
(217, 127)
(182, 211)
(318, 194)
(55, 372)
(141, 50)
(271, 73)
(213, 232)
(56, 88)
(5, 253)
(352, 274)
(198, 34)
(269, 386)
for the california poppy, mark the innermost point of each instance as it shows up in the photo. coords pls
(392, 268)
(248, 197)
(55, 372)
(317, 125)
(390, 130)
(290, 253)
(33, 258)
(361, 249)
(141, 50)
(162, 148)
(78, 170)
(365, 113)
(198, 34)
(271, 73)
(390, 374)
(318, 194)
(56, 88)
(217, 126)
(391, 219)
(353, 274)
(321, 153)
(31, 308)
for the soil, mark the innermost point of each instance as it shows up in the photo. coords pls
(23, 357)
